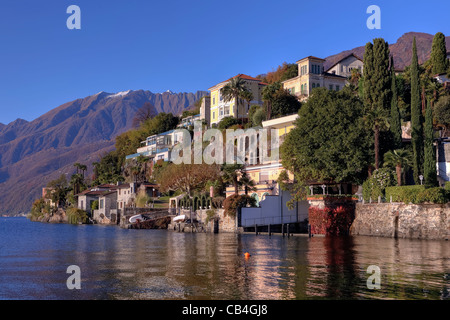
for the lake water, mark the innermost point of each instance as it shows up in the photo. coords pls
(158, 264)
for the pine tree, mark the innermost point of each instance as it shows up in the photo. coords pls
(416, 117)
(430, 174)
(438, 55)
(395, 123)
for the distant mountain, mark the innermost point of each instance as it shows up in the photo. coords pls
(401, 50)
(33, 153)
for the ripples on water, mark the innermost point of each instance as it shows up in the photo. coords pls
(158, 264)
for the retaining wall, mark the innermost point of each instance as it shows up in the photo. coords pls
(414, 221)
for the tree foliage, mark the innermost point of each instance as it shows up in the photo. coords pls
(395, 121)
(377, 87)
(416, 117)
(186, 178)
(438, 55)
(284, 103)
(429, 168)
(442, 111)
(329, 141)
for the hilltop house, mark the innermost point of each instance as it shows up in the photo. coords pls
(220, 109)
(311, 75)
(345, 66)
(188, 121)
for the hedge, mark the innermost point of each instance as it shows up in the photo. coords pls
(447, 186)
(417, 194)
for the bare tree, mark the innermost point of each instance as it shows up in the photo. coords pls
(147, 111)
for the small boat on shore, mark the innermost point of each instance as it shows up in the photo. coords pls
(179, 218)
(137, 218)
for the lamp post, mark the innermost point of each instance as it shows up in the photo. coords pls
(323, 188)
(153, 194)
(421, 179)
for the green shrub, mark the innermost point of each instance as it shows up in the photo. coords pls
(375, 186)
(142, 200)
(233, 202)
(417, 194)
(94, 205)
(76, 216)
(433, 195)
(210, 214)
(447, 186)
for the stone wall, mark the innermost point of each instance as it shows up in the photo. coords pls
(414, 221)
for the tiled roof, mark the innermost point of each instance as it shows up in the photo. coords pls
(310, 57)
(349, 55)
(242, 76)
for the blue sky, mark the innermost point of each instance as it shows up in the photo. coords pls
(183, 46)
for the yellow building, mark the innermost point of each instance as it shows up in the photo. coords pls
(220, 109)
(311, 75)
(265, 175)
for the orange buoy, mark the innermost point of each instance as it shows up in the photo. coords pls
(247, 255)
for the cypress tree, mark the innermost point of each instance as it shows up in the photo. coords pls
(438, 55)
(416, 117)
(430, 174)
(395, 122)
(367, 74)
(377, 90)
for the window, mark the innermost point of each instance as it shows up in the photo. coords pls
(214, 114)
(101, 203)
(331, 87)
(318, 85)
(337, 88)
(214, 100)
(82, 207)
(313, 85)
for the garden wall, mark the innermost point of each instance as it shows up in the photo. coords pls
(414, 221)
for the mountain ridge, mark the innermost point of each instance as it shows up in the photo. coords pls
(35, 152)
(401, 50)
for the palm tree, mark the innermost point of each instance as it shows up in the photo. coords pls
(268, 96)
(231, 173)
(247, 183)
(83, 168)
(77, 165)
(247, 96)
(234, 90)
(399, 159)
(378, 120)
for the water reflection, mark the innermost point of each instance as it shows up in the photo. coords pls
(157, 264)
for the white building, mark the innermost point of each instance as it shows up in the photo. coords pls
(158, 146)
(345, 66)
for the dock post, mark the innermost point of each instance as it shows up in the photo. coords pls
(256, 229)
(269, 230)
(288, 231)
(309, 230)
(282, 229)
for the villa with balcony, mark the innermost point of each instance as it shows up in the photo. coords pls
(158, 146)
(265, 173)
(311, 75)
(220, 109)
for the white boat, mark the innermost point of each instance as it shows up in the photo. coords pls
(136, 218)
(179, 218)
